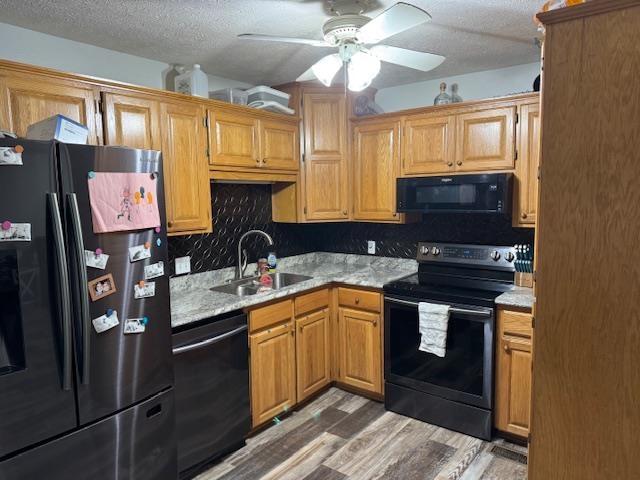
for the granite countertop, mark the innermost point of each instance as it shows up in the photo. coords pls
(521, 297)
(192, 299)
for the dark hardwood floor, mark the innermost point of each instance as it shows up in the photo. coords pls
(345, 436)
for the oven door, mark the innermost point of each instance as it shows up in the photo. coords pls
(465, 374)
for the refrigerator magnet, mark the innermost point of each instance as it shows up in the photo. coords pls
(135, 325)
(144, 290)
(106, 321)
(96, 259)
(139, 252)
(101, 287)
(154, 270)
(15, 232)
(11, 155)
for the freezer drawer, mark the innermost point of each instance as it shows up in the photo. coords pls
(136, 444)
(211, 364)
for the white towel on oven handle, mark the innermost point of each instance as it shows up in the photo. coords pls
(433, 321)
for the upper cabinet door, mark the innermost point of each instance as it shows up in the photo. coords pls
(28, 99)
(526, 191)
(131, 121)
(234, 140)
(485, 140)
(376, 163)
(186, 179)
(279, 145)
(326, 170)
(428, 145)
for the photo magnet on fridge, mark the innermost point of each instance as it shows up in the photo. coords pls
(11, 155)
(154, 270)
(101, 287)
(15, 232)
(144, 290)
(96, 260)
(105, 322)
(134, 325)
(139, 252)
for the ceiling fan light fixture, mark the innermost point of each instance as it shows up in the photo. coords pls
(326, 68)
(362, 69)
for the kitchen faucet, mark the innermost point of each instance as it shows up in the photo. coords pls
(242, 265)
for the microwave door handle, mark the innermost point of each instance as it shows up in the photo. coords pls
(208, 341)
(64, 289)
(465, 311)
(76, 228)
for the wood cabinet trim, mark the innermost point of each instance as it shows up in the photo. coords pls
(269, 315)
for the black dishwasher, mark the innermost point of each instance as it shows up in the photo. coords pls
(211, 361)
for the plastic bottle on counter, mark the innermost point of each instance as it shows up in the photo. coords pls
(263, 266)
(272, 261)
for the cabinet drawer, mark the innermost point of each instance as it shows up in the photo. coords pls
(515, 323)
(270, 315)
(359, 299)
(311, 301)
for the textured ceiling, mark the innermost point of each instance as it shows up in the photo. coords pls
(474, 35)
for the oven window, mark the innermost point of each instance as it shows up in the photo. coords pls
(446, 194)
(461, 369)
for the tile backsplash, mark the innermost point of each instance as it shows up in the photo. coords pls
(237, 208)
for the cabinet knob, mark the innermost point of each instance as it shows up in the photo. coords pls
(344, 212)
(524, 215)
(506, 347)
(375, 323)
(169, 224)
(357, 300)
(395, 214)
(264, 160)
(257, 161)
(449, 164)
(459, 162)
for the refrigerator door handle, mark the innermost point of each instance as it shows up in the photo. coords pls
(81, 267)
(65, 291)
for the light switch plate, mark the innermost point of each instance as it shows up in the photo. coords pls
(371, 247)
(183, 265)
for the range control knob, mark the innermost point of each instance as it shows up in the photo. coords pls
(495, 255)
(509, 257)
(424, 250)
(435, 251)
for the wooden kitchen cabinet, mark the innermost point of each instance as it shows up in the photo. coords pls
(428, 144)
(186, 176)
(485, 140)
(326, 173)
(376, 165)
(312, 352)
(233, 140)
(26, 99)
(279, 145)
(526, 177)
(513, 372)
(131, 121)
(360, 339)
(273, 378)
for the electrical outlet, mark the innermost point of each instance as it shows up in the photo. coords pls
(371, 247)
(183, 265)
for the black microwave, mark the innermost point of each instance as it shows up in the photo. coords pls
(481, 193)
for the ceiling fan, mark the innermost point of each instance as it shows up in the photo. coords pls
(356, 35)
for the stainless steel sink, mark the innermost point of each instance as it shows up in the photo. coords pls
(251, 285)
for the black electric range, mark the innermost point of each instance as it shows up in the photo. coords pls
(455, 391)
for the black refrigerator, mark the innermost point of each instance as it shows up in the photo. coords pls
(75, 403)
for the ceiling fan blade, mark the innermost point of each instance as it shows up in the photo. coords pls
(393, 20)
(273, 38)
(407, 58)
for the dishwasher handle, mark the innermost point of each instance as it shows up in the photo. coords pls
(209, 341)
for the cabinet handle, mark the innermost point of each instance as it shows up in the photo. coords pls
(375, 323)
(506, 347)
(344, 212)
(264, 160)
(257, 161)
(524, 215)
(449, 164)
(459, 163)
(169, 224)
(357, 300)
(395, 214)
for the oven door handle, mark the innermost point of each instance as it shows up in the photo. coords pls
(466, 311)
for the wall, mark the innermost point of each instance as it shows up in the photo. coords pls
(27, 46)
(238, 208)
(472, 86)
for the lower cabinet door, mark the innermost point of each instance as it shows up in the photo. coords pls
(360, 349)
(312, 353)
(513, 400)
(273, 379)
